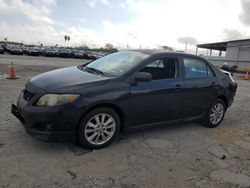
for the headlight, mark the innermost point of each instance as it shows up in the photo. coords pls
(56, 99)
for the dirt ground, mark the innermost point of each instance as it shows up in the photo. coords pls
(180, 155)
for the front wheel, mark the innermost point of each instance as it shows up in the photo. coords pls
(98, 128)
(215, 113)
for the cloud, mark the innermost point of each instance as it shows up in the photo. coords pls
(122, 5)
(105, 2)
(93, 3)
(133, 22)
(188, 39)
(3, 5)
(37, 26)
(35, 11)
(49, 36)
(244, 17)
(233, 34)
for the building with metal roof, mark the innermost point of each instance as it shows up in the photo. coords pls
(237, 52)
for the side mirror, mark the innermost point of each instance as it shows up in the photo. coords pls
(143, 77)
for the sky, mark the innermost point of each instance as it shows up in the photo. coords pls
(124, 23)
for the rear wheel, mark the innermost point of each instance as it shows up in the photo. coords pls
(98, 128)
(215, 113)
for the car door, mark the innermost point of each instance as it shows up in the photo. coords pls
(160, 99)
(199, 86)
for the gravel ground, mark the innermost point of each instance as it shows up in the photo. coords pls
(180, 155)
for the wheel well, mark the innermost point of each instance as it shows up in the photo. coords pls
(113, 107)
(222, 97)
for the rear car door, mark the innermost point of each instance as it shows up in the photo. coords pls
(199, 88)
(160, 99)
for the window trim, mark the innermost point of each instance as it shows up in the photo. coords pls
(213, 74)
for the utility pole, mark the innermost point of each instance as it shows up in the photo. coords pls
(185, 47)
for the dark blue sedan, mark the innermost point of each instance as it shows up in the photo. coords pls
(127, 90)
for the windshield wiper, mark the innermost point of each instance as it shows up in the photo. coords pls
(94, 70)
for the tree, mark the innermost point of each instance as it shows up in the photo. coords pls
(109, 46)
(66, 38)
(168, 48)
(84, 47)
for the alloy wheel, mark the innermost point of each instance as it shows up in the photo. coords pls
(100, 129)
(216, 113)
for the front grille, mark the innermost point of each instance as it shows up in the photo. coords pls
(27, 95)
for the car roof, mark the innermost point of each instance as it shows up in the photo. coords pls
(148, 51)
(162, 52)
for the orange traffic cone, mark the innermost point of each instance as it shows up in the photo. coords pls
(12, 72)
(246, 77)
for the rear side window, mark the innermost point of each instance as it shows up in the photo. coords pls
(195, 68)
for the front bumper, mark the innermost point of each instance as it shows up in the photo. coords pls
(48, 124)
(42, 130)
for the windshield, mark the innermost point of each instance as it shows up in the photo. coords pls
(117, 63)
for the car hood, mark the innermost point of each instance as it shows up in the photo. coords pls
(66, 79)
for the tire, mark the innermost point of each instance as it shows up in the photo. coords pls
(212, 121)
(96, 134)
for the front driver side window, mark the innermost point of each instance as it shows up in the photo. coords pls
(163, 68)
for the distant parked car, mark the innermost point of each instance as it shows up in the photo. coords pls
(229, 68)
(99, 55)
(64, 53)
(95, 55)
(25, 50)
(78, 54)
(34, 51)
(91, 55)
(85, 55)
(49, 52)
(1, 50)
(14, 50)
(96, 102)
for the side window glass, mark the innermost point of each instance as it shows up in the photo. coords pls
(195, 68)
(156, 63)
(164, 68)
